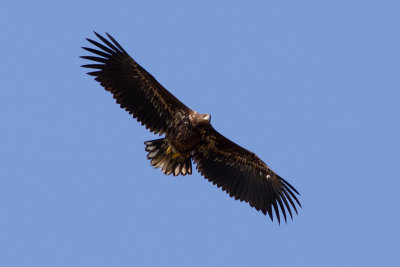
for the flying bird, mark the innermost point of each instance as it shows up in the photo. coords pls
(189, 135)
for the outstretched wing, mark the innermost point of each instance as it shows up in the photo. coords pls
(244, 176)
(136, 90)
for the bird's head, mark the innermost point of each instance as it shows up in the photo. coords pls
(200, 119)
(206, 117)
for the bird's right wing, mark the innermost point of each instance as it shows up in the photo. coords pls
(134, 89)
(244, 176)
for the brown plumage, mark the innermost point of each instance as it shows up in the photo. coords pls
(188, 134)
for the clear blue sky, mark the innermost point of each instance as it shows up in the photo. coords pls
(312, 87)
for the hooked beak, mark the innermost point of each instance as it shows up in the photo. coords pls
(207, 117)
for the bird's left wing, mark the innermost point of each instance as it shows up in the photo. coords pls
(244, 176)
(136, 90)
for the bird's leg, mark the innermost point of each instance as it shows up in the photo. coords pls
(169, 150)
(174, 155)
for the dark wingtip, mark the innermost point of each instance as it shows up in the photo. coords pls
(277, 212)
(288, 184)
(98, 35)
(282, 208)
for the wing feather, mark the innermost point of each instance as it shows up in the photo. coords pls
(133, 88)
(244, 176)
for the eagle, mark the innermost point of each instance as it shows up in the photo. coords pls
(188, 135)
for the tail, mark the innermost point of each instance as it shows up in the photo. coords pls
(164, 156)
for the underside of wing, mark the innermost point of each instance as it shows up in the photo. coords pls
(134, 89)
(244, 176)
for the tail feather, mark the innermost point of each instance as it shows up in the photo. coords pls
(163, 155)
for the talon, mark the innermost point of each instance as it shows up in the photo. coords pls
(175, 155)
(169, 149)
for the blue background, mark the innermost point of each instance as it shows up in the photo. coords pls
(312, 87)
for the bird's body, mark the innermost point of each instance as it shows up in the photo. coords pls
(173, 154)
(189, 135)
